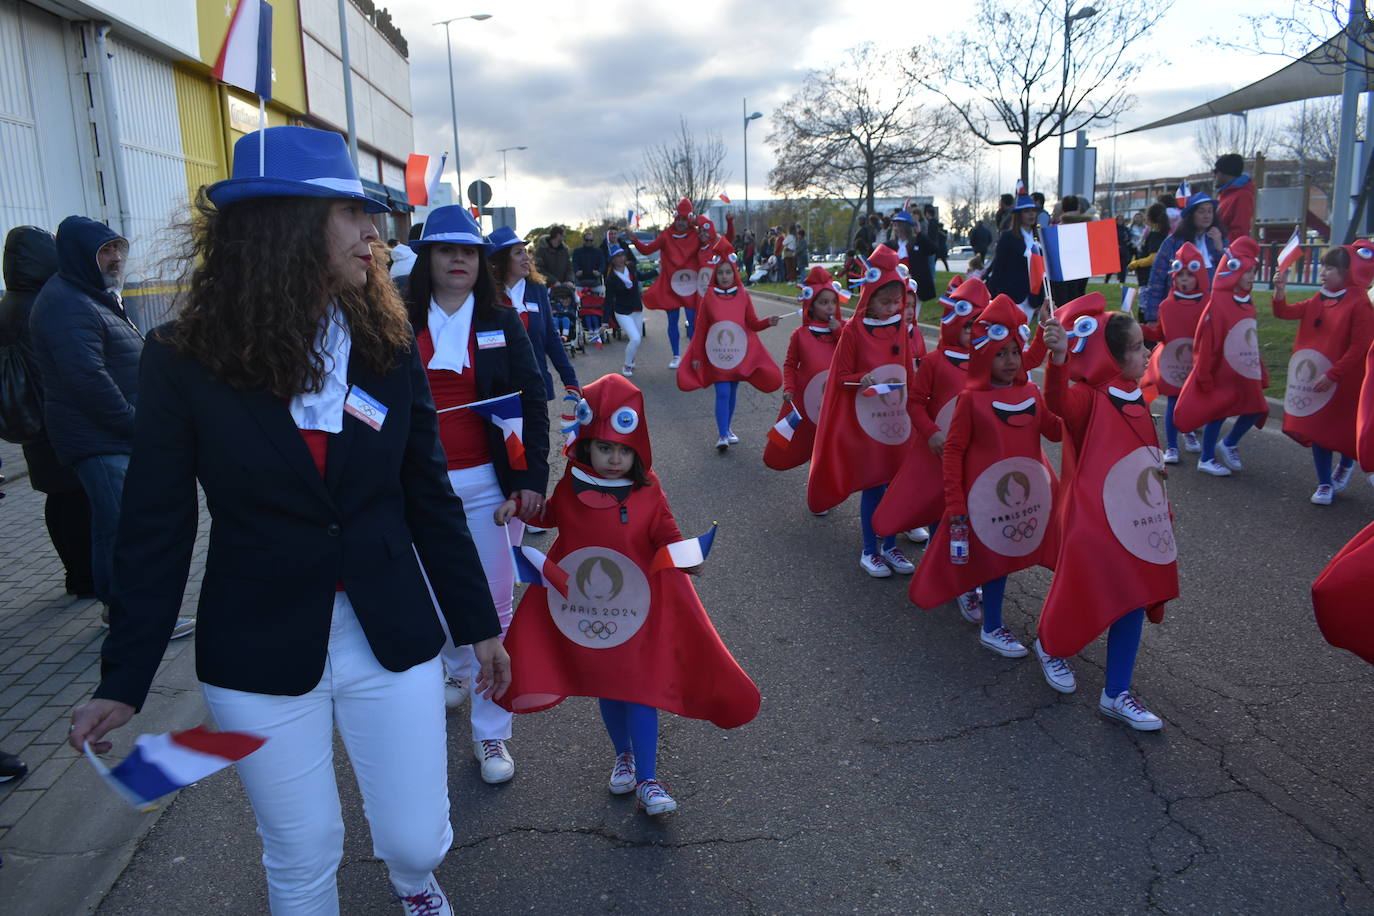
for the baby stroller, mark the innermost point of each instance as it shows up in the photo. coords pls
(563, 304)
(596, 326)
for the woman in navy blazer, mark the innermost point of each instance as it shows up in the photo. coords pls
(291, 390)
(517, 277)
(1010, 271)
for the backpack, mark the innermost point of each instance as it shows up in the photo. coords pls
(21, 404)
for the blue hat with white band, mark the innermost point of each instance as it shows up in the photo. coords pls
(300, 162)
(452, 224)
(503, 237)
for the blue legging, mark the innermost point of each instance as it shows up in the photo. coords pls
(993, 593)
(725, 405)
(673, 339)
(868, 504)
(1212, 431)
(1321, 457)
(633, 727)
(1170, 430)
(1123, 640)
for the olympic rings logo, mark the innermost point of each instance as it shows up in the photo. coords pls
(1300, 401)
(1022, 532)
(600, 629)
(1162, 541)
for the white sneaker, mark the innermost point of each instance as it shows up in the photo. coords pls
(497, 763)
(824, 512)
(1126, 708)
(185, 626)
(623, 774)
(1058, 673)
(722, 443)
(873, 564)
(455, 692)
(672, 363)
(654, 799)
(1323, 495)
(1171, 456)
(1213, 467)
(971, 606)
(898, 561)
(428, 902)
(535, 529)
(1230, 456)
(1003, 642)
(1191, 443)
(918, 535)
(628, 371)
(733, 439)
(1340, 478)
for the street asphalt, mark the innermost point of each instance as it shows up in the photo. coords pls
(897, 766)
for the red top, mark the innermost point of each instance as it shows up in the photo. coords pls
(317, 440)
(462, 432)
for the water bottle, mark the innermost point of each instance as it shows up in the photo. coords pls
(958, 540)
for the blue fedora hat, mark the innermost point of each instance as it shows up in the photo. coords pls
(1025, 202)
(452, 224)
(1197, 200)
(301, 162)
(903, 217)
(503, 237)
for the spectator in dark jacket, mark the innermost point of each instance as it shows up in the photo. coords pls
(589, 262)
(1010, 266)
(980, 238)
(30, 259)
(552, 258)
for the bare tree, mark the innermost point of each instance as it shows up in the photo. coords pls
(1309, 24)
(1312, 137)
(853, 132)
(688, 165)
(1005, 74)
(1249, 135)
(971, 194)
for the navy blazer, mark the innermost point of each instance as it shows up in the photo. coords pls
(282, 536)
(1011, 271)
(545, 340)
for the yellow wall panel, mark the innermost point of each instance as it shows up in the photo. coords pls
(288, 65)
(200, 114)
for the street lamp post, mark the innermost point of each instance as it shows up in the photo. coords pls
(1086, 12)
(453, 95)
(505, 175)
(744, 107)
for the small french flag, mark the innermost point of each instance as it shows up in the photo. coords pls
(1078, 250)
(725, 197)
(872, 391)
(783, 430)
(422, 178)
(1020, 188)
(507, 415)
(534, 568)
(1035, 265)
(1182, 194)
(684, 554)
(245, 58)
(1290, 254)
(161, 764)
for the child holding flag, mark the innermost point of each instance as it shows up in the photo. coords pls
(628, 627)
(1326, 371)
(1171, 362)
(805, 370)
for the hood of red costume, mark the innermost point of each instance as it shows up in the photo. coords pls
(1361, 264)
(612, 408)
(723, 250)
(1085, 321)
(1001, 321)
(710, 227)
(818, 279)
(684, 208)
(881, 268)
(1239, 256)
(962, 303)
(1187, 259)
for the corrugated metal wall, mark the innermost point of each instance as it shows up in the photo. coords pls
(200, 113)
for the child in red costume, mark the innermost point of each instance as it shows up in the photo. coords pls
(1340, 597)
(630, 633)
(726, 349)
(806, 367)
(1172, 360)
(998, 484)
(1120, 563)
(866, 414)
(1228, 377)
(676, 286)
(1326, 371)
(708, 247)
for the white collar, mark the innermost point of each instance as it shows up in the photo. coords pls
(1125, 395)
(449, 334)
(1242, 299)
(600, 481)
(726, 292)
(324, 409)
(882, 322)
(516, 292)
(1188, 296)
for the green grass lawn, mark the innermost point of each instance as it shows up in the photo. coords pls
(1276, 336)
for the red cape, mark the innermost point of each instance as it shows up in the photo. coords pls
(860, 441)
(811, 353)
(1228, 377)
(1332, 332)
(1364, 416)
(622, 633)
(726, 343)
(1340, 597)
(1010, 492)
(916, 495)
(1172, 360)
(1122, 554)
(676, 286)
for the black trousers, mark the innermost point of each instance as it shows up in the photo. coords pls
(68, 516)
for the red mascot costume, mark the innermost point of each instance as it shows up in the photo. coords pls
(810, 351)
(726, 345)
(1179, 315)
(676, 286)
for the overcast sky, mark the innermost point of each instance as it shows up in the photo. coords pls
(587, 86)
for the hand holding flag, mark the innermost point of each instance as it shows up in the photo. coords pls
(1290, 254)
(685, 555)
(506, 414)
(783, 430)
(161, 764)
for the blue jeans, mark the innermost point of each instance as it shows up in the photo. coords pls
(563, 323)
(102, 476)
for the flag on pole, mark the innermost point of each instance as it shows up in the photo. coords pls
(683, 554)
(1077, 250)
(422, 178)
(245, 58)
(1290, 254)
(1020, 188)
(872, 391)
(506, 414)
(532, 567)
(725, 197)
(1183, 193)
(783, 431)
(630, 218)
(161, 764)
(1128, 299)
(1035, 267)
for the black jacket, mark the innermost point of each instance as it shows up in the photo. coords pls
(87, 350)
(545, 340)
(283, 536)
(1011, 271)
(623, 300)
(514, 367)
(589, 263)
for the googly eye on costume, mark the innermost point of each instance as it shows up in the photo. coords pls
(903, 272)
(806, 293)
(1364, 253)
(1175, 266)
(911, 285)
(1084, 326)
(1024, 331)
(583, 413)
(1233, 263)
(1194, 265)
(998, 331)
(963, 307)
(625, 420)
(872, 274)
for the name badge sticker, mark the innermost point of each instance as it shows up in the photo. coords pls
(365, 407)
(487, 340)
(532, 307)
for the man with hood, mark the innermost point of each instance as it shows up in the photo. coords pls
(87, 351)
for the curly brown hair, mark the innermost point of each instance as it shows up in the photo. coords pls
(500, 265)
(250, 311)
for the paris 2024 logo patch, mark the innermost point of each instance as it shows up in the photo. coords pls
(684, 282)
(1137, 506)
(1242, 348)
(1305, 369)
(608, 598)
(1009, 506)
(814, 395)
(1176, 361)
(884, 417)
(726, 344)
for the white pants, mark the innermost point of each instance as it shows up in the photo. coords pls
(481, 494)
(392, 724)
(633, 326)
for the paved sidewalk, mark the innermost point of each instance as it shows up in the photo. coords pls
(64, 837)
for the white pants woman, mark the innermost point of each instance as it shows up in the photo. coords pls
(633, 326)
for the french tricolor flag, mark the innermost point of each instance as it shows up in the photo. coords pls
(872, 391)
(532, 567)
(725, 197)
(1183, 193)
(1077, 250)
(161, 764)
(1020, 188)
(783, 430)
(422, 178)
(1035, 267)
(684, 554)
(1290, 254)
(245, 59)
(507, 415)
